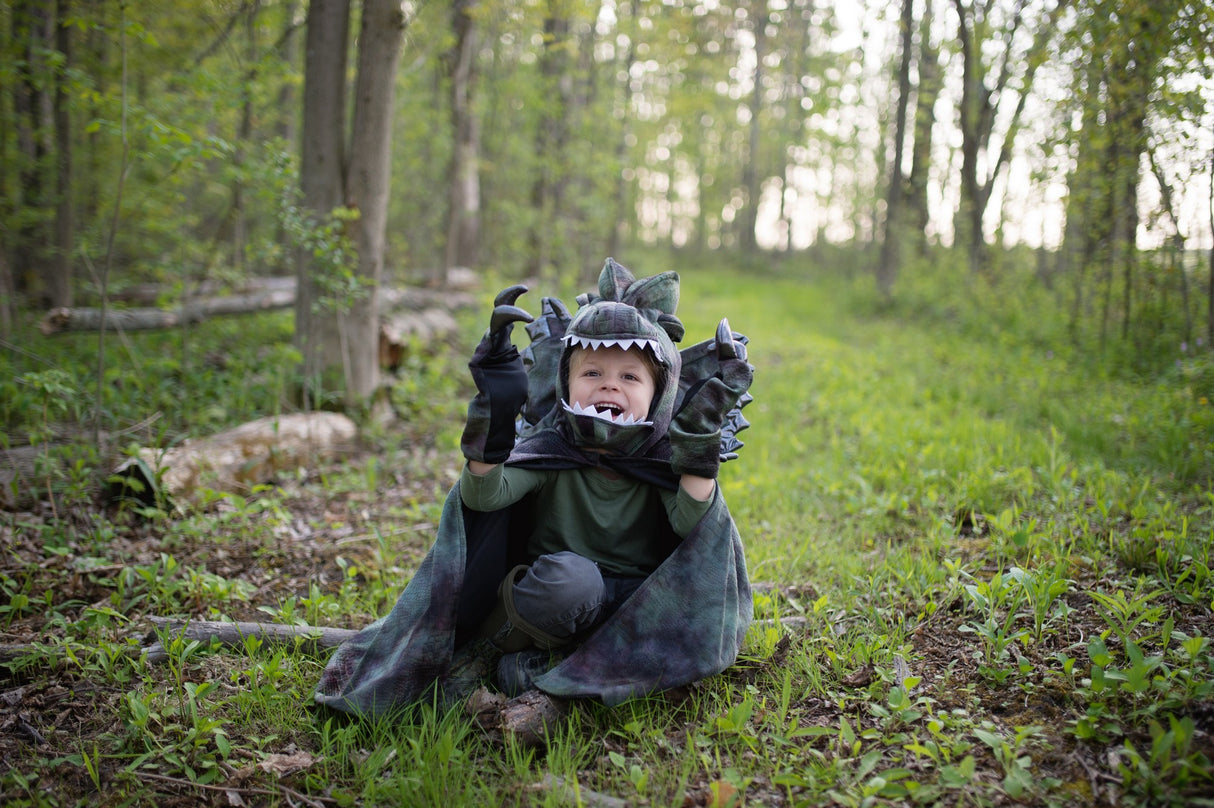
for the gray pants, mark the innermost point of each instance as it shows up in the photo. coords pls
(564, 594)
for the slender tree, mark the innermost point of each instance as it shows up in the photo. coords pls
(623, 112)
(887, 266)
(751, 168)
(32, 105)
(552, 138)
(337, 313)
(463, 213)
(59, 282)
(981, 103)
(927, 91)
(1128, 54)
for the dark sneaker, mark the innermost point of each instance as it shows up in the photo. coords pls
(516, 672)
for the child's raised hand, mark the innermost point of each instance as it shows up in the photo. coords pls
(501, 384)
(695, 432)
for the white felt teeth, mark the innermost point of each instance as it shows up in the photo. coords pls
(606, 415)
(627, 344)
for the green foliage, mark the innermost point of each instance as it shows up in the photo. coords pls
(960, 589)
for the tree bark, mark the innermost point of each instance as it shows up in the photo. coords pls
(620, 196)
(368, 183)
(321, 173)
(60, 320)
(548, 227)
(33, 125)
(7, 294)
(887, 265)
(237, 459)
(978, 113)
(234, 635)
(463, 215)
(341, 335)
(60, 282)
(750, 169)
(931, 81)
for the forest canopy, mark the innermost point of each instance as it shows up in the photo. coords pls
(530, 138)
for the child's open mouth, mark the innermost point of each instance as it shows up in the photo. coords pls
(607, 411)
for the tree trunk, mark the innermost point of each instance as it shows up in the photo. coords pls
(61, 320)
(369, 181)
(31, 106)
(463, 228)
(548, 228)
(931, 80)
(240, 458)
(750, 169)
(1080, 234)
(321, 179)
(6, 293)
(619, 224)
(60, 282)
(978, 112)
(234, 635)
(287, 126)
(887, 265)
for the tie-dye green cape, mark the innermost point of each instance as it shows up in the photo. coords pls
(686, 621)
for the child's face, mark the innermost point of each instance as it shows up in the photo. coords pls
(612, 380)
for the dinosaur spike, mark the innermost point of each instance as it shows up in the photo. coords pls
(614, 280)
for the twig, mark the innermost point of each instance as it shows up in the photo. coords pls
(233, 634)
(568, 793)
(282, 790)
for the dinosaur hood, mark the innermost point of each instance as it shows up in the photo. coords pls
(636, 315)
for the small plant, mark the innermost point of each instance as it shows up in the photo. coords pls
(997, 602)
(14, 599)
(1043, 591)
(1168, 767)
(1125, 613)
(1014, 759)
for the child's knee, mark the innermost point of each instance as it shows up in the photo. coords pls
(547, 603)
(561, 592)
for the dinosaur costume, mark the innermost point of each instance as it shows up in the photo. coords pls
(685, 622)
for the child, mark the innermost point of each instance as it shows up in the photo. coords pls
(594, 554)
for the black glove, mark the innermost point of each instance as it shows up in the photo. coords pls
(501, 384)
(695, 432)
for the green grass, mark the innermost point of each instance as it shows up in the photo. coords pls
(982, 568)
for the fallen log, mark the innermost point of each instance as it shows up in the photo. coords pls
(62, 320)
(575, 793)
(234, 635)
(148, 294)
(238, 459)
(268, 295)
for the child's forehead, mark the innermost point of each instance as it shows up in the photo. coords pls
(612, 353)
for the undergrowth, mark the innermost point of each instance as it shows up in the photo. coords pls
(982, 574)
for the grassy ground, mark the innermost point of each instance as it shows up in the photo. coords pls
(982, 578)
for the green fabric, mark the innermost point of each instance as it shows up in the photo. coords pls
(613, 522)
(688, 618)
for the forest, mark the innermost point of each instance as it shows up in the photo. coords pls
(247, 248)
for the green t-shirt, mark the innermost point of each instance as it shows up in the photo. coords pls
(615, 522)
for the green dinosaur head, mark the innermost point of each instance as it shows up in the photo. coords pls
(635, 315)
